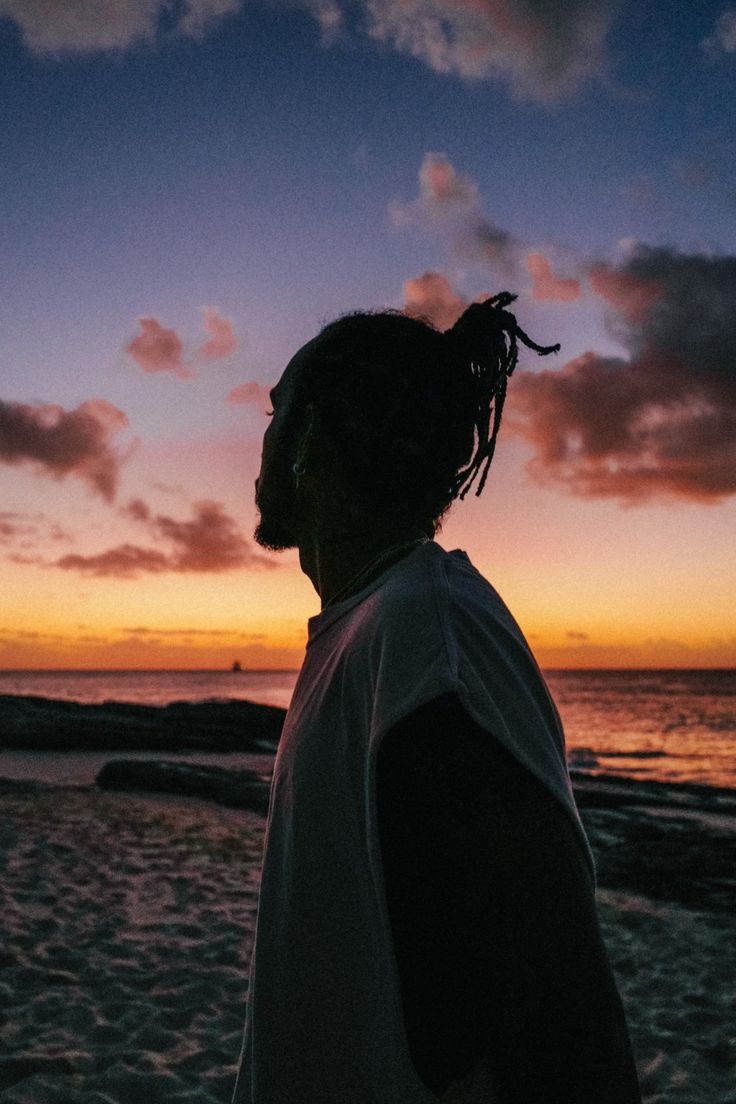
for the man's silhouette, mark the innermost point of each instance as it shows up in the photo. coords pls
(427, 925)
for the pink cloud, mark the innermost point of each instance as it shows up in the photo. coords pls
(631, 294)
(28, 530)
(442, 186)
(449, 202)
(548, 286)
(157, 349)
(62, 442)
(251, 392)
(137, 509)
(222, 341)
(431, 296)
(209, 542)
(125, 561)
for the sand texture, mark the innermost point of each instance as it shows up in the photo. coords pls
(127, 932)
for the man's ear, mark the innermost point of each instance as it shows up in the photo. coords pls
(308, 436)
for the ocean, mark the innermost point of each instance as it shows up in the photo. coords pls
(671, 726)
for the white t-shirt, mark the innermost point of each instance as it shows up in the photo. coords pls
(324, 1020)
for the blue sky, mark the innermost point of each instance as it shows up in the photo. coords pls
(249, 158)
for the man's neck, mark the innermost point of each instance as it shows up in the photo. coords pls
(332, 563)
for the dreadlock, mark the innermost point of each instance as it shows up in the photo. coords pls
(403, 403)
(487, 336)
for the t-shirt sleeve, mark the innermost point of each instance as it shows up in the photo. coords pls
(493, 916)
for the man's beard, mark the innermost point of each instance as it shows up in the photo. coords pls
(278, 528)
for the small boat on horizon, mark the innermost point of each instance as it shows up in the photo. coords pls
(236, 665)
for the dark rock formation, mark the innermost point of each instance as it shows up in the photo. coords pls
(43, 724)
(241, 789)
(671, 859)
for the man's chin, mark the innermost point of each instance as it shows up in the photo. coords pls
(274, 535)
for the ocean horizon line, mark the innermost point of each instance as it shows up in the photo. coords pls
(280, 670)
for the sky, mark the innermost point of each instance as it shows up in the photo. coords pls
(189, 190)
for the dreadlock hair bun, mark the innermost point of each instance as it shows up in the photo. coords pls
(485, 338)
(403, 403)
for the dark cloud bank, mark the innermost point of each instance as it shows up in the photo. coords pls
(660, 422)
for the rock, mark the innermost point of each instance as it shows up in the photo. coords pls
(241, 789)
(45, 724)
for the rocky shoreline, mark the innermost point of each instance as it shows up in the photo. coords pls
(673, 842)
(35, 723)
(132, 887)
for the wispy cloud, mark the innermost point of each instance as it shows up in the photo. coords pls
(125, 561)
(145, 630)
(722, 40)
(63, 442)
(26, 531)
(542, 51)
(250, 393)
(449, 203)
(662, 422)
(546, 285)
(86, 26)
(209, 542)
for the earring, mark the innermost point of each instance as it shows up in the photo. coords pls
(297, 472)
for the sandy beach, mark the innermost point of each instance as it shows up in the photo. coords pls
(128, 923)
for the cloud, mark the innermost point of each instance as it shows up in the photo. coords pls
(723, 38)
(661, 422)
(222, 340)
(548, 286)
(251, 392)
(126, 561)
(443, 188)
(24, 531)
(87, 26)
(157, 349)
(693, 173)
(14, 526)
(432, 297)
(144, 630)
(449, 201)
(573, 634)
(631, 293)
(210, 542)
(62, 442)
(443, 192)
(137, 509)
(543, 51)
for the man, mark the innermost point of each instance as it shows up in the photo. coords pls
(427, 925)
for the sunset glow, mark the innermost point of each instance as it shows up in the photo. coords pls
(188, 202)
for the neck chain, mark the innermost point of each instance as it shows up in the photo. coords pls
(358, 580)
